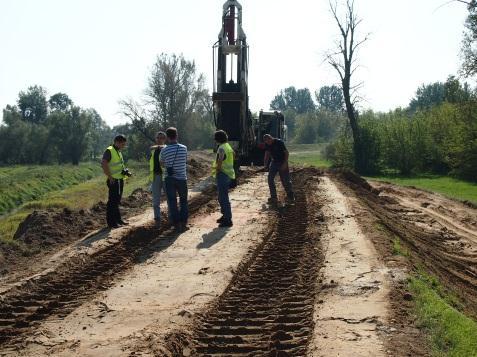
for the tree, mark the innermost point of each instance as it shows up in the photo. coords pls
(343, 61)
(290, 98)
(469, 48)
(427, 96)
(69, 133)
(33, 104)
(60, 101)
(330, 98)
(174, 92)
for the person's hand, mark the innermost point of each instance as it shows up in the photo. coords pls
(284, 166)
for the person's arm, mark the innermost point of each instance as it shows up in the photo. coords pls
(107, 172)
(219, 160)
(266, 159)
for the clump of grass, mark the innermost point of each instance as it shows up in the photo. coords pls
(398, 249)
(451, 332)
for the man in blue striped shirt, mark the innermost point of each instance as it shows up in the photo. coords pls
(174, 158)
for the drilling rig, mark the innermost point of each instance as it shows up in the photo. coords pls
(230, 92)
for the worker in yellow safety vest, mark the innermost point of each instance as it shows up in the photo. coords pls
(155, 176)
(115, 170)
(224, 173)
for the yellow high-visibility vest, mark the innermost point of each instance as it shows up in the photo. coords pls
(227, 164)
(151, 164)
(116, 164)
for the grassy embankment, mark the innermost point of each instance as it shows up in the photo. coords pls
(308, 154)
(451, 332)
(438, 310)
(445, 185)
(24, 189)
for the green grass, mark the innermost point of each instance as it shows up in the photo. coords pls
(445, 185)
(20, 184)
(80, 196)
(308, 154)
(451, 332)
(398, 249)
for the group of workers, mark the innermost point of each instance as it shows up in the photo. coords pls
(168, 172)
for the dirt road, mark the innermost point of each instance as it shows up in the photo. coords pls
(315, 278)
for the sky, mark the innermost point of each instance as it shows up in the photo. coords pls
(102, 51)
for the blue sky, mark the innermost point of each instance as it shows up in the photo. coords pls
(101, 51)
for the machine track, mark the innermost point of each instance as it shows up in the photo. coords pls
(268, 307)
(58, 293)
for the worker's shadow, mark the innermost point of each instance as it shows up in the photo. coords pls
(211, 238)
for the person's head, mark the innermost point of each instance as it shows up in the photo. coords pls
(120, 141)
(160, 138)
(220, 137)
(171, 134)
(268, 139)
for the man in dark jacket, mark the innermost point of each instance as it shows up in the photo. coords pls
(276, 159)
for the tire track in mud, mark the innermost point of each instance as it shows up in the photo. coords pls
(453, 266)
(59, 292)
(268, 307)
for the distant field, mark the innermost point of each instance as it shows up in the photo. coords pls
(308, 154)
(445, 185)
(83, 194)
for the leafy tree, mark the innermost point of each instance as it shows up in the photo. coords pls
(69, 133)
(428, 95)
(455, 92)
(469, 48)
(60, 101)
(290, 98)
(330, 98)
(33, 104)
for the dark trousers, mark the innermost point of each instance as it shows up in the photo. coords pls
(223, 183)
(173, 188)
(113, 216)
(284, 177)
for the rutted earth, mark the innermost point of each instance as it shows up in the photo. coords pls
(315, 278)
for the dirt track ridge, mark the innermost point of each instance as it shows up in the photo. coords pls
(268, 308)
(61, 291)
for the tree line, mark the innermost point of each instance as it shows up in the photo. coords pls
(42, 130)
(311, 120)
(436, 133)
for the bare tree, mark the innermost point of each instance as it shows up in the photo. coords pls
(343, 60)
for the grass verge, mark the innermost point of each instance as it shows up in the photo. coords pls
(20, 184)
(448, 186)
(80, 196)
(308, 154)
(451, 332)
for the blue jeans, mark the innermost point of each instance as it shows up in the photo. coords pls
(176, 187)
(156, 196)
(223, 183)
(284, 177)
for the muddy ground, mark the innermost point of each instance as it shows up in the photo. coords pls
(315, 278)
